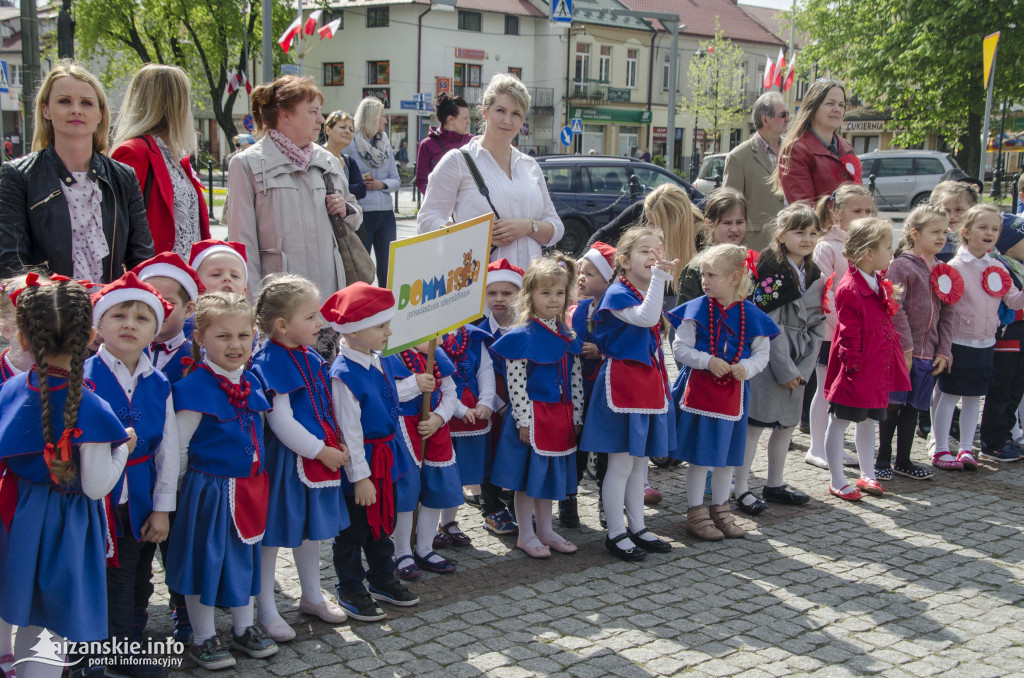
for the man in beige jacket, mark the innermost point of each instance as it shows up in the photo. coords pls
(749, 168)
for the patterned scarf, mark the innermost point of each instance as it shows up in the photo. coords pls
(300, 157)
(376, 151)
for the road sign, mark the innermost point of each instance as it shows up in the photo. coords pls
(577, 126)
(290, 69)
(425, 97)
(525, 129)
(248, 122)
(561, 11)
(409, 105)
(444, 85)
(566, 135)
(3, 77)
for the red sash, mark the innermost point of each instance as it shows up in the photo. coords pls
(634, 387)
(8, 495)
(249, 498)
(710, 397)
(108, 515)
(552, 433)
(459, 427)
(439, 446)
(382, 518)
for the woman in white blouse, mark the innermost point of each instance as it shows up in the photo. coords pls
(525, 218)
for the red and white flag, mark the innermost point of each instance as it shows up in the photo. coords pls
(769, 72)
(234, 81)
(330, 29)
(285, 41)
(780, 65)
(312, 20)
(788, 82)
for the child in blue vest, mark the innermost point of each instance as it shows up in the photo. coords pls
(471, 425)
(59, 469)
(305, 453)
(171, 353)
(535, 457)
(127, 314)
(367, 409)
(433, 480)
(629, 419)
(214, 554)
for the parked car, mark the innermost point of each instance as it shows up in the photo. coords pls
(711, 173)
(590, 190)
(904, 179)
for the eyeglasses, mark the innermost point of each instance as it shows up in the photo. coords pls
(784, 115)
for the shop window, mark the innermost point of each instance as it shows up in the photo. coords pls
(378, 72)
(334, 74)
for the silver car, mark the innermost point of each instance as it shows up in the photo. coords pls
(711, 174)
(904, 179)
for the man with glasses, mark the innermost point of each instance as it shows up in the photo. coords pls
(750, 166)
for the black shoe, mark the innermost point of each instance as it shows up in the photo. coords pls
(755, 508)
(649, 545)
(923, 431)
(600, 515)
(805, 426)
(568, 513)
(394, 593)
(211, 655)
(360, 605)
(784, 495)
(254, 642)
(629, 555)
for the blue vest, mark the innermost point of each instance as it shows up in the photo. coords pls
(465, 370)
(582, 327)
(227, 438)
(411, 408)
(21, 426)
(174, 370)
(146, 413)
(548, 356)
(5, 371)
(758, 324)
(288, 371)
(622, 340)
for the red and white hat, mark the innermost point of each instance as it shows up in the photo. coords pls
(205, 248)
(602, 256)
(358, 307)
(171, 265)
(503, 271)
(129, 288)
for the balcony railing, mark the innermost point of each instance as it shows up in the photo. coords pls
(592, 90)
(542, 97)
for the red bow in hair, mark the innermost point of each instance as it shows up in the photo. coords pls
(890, 304)
(33, 280)
(751, 262)
(824, 293)
(62, 450)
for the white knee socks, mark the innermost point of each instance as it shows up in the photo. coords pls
(426, 528)
(743, 472)
(970, 411)
(265, 599)
(613, 494)
(307, 564)
(778, 448)
(864, 439)
(721, 484)
(201, 617)
(524, 516)
(696, 477)
(448, 516)
(633, 500)
(818, 415)
(402, 534)
(942, 419)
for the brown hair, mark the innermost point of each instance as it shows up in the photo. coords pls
(66, 68)
(628, 240)
(554, 269)
(448, 106)
(211, 306)
(829, 205)
(720, 202)
(57, 320)
(954, 188)
(865, 234)
(278, 298)
(669, 209)
(919, 217)
(796, 217)
(283, 94)
(815, 96)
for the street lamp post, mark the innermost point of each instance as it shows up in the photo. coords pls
(695, 155)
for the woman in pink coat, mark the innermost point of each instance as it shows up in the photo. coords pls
(866, 361)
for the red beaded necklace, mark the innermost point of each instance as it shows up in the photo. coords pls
(327, 423)
(417, 364)
(715, 329)
(53, 371)
(456, 344)
(238, 394)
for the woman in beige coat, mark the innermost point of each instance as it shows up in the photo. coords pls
(279, 207)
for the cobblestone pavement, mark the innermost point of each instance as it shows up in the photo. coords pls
(925, 581)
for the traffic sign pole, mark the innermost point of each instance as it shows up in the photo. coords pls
(4, 88)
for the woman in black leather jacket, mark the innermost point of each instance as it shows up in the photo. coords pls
(67, 207)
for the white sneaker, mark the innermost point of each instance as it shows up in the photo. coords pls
(816, 461)
(325, 610)
(279, 630)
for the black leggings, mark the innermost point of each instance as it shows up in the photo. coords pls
(901, 420)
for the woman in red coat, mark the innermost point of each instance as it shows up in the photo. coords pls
(866, 362)
(814, 159)
(155, 135)
(452, 132)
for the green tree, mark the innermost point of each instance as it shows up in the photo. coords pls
(920, 60)
(203, 37)
(715, 82)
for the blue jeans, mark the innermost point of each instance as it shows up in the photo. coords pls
(377, 233)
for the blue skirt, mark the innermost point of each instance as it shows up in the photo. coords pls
(922, 383)
(607, 431)
(707, 441)
(518, 467)
(296, 512)
(440, 486)
(56, 576)
(205, 555)
(471, 454)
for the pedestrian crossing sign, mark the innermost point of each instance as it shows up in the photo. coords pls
(561, 11)
(577, 125)
(3, 77)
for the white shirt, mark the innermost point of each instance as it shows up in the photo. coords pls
(348, 414)
(801, 272)
(161, 358)
(165, 488)
(871, 279)
(485, 384)
(648, 313)
(452, 192)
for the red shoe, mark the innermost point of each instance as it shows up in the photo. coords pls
(651, 496)
(846, 492)
(946, 460)
(967, 459)
(871, 486)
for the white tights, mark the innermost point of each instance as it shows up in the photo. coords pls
(528, 508)
(623, 491)
(402, 534)
(970, 410)
(721, 483)
(818, 415)
(778, 447)
(201, 616)
(28, 636)
(864, 439)
(307, 564)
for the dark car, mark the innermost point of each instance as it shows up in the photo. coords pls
(590, 190)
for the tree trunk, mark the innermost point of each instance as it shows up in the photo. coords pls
(969, 156)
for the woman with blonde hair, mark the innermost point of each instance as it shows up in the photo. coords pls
(525, 220)
(339, 130)
(155, 135)
(373, 156)
(67, 206)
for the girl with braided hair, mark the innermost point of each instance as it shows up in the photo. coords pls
(64, 450)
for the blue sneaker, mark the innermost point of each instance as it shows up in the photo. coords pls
(1006, 453)
(501, 522)
(394, 593)
(182, 625)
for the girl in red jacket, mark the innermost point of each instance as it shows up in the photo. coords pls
(865, 363)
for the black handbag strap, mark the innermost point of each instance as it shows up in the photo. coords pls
(149, 177)
(481, 186)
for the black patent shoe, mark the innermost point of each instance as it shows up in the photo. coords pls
(568, 513)
(629, 555)
(649, 545)
(784, 494)
(755, 508)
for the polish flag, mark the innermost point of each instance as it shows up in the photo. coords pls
(330, 29)
(780, 65)
(233, 81)
(285, 41)
(245, 81)
(769, 72)
(312, 21)
(788, 82)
